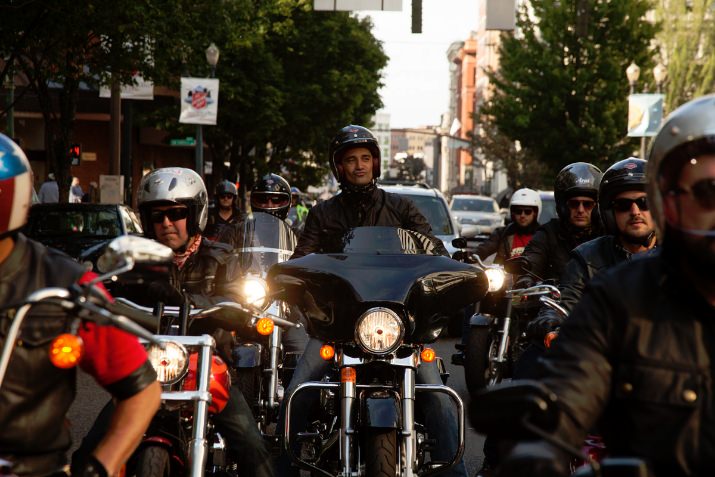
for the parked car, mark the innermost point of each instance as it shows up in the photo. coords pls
(80, 230)
(477, 214)
(548, 206)
(433, 206)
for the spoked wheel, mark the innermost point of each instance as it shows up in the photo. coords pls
(381, 452)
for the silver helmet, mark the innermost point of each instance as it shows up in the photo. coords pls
(173, 185)
(689, 131)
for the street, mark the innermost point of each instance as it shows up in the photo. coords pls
(91, 399)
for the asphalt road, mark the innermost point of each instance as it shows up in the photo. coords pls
(91, 398)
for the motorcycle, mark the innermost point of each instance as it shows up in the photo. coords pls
(263, 366)
(497, 331)
(526, 410)
(85, 302)
(376, 303)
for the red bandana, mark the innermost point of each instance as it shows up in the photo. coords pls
(181, 258)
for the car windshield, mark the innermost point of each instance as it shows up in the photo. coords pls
(435, 211)
(473, 204)
(88, 222)
(548, 212)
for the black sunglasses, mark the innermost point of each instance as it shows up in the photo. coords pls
(575, 203)
(624, 204)
(522, 211)
(703, 191)
(174, 214)
(226, 196)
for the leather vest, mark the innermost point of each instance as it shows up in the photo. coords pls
(35, 395)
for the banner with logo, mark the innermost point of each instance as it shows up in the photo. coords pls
(199, 101)
(645, 113)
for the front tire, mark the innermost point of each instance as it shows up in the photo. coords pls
(476, 358)
(381, 452)
(153, 461)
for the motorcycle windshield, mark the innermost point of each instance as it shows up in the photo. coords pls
(378, 266)
(264, 241)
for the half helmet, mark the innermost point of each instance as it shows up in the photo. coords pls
(173, 185)
(628, 174)
(226, 187)
(15, 186)
(349, 137)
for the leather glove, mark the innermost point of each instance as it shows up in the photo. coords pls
(537, 328)
(524, 281)
(534, 459)
(162, 291)
(92, 468)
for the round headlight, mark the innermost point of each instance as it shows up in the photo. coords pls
(254, 291)
(495, 277)
(170, 363)
(379, 330)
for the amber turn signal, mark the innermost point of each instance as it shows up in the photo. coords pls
(66, 351)
(428, 355)
(327, 352)
(348, 375)
(264, 326)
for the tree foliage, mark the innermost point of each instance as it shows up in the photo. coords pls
(687, 47)
(561, 88)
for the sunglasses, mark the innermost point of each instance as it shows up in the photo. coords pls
(263, 200)
(177, 213)
(522, 211)
(624, 204)
(574, 204)
(703, 191)
(226, 196)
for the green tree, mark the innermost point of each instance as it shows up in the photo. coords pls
(561, 88)
(687, 46)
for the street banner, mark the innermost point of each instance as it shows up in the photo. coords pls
(142, 89)
(111, 189)
(199, 101)
(645, 113)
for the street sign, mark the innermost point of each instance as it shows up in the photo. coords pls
(187, 141)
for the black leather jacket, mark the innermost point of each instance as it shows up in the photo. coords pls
(548, 251)
(638, 349)
(328, 221)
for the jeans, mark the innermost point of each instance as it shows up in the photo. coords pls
(440, 414)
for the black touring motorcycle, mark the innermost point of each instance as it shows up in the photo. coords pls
(375, 303)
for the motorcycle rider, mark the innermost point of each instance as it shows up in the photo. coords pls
(576, 195)
(173, 207)
(271, 194)
(298, 212)
(629, 227)
(36, 396)
(226, 212)
(355, 162)
(508, 241)
(636, 352)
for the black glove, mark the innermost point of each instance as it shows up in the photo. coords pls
(534, 459)
(541, 325)
(162, 291)
(524, 281)
(92, 468)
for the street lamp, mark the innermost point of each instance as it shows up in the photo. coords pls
(212, 54)
(660, 74)
(633, 72)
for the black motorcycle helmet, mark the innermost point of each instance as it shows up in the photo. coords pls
(577, 179)
(271, 194)
(349, 137)
(226, 187)
(628, 174)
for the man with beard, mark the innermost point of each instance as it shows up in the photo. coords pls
(637, 353)
(225, 215)
(630, 230)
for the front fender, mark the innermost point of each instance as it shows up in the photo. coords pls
(478, 319)
(380, 409)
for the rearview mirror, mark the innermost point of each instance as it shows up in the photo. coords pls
(459, 242)
(502, 410)
(124, 251)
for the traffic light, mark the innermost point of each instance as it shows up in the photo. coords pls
(74, 153)
(416, 16)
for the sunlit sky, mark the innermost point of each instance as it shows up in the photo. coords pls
(416, 90)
